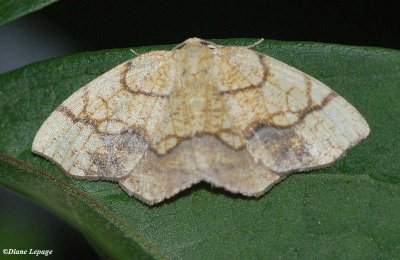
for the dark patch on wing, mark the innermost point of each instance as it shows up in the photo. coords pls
(119, 148)
(288, 149)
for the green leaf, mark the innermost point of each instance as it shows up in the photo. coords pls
(349, 210)
(12, 9)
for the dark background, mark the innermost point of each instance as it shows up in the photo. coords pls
(111, 24)
(69, 27)
(72, 26)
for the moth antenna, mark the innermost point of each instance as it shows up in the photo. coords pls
(255, 44)
(134, 53)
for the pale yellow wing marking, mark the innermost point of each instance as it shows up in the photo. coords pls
(103, 129)
(291, 120)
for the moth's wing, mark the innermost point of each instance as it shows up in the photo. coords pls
(103, 129)
(200, 158)
(288, 120)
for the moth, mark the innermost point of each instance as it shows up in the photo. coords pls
(227, 115)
